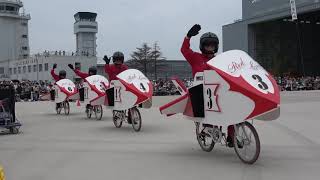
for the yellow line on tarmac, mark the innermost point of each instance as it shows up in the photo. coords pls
(2, 173)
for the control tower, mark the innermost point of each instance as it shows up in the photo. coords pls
(85, 29)
(14, 39)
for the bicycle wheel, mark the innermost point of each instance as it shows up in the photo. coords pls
(118, 118)
(66, 108)
(58, 109)
(246, 143)
(136, 120)
(98, 112)
(205, 141)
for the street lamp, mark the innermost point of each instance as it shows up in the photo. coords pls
(294, 17)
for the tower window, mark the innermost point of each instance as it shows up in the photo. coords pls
(46, 66)
(10, 8)
(24, 48)
(87, 26)
(24, 24)
(1, 8)
(25, 36)
(40, 67)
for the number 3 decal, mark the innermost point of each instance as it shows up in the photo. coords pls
(209, 103)
(262, 85)
(211, 98)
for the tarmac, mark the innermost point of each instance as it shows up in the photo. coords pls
(52, 146)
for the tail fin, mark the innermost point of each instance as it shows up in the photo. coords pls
(180, 86)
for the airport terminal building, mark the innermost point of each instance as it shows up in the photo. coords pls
(282, 46)
(15, 59)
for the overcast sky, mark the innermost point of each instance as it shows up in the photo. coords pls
(126, 24)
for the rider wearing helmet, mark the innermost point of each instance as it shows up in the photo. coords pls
(209, 46)
(62, 73)
(92, 71)
(117, 67)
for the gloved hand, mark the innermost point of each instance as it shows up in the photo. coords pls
(71, 66)
(54, 66)
(106, 59)
(194, 30)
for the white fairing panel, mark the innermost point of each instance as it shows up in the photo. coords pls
(222, 106)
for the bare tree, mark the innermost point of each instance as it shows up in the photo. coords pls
(141, 57)
(156, 55)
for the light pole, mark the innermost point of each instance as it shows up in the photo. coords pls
(37, 68)
(294, 17)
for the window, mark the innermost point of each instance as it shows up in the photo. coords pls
(1, 8)
(19, 70)
(24, 69)
(14, 70)
(24, 48)
(24, 24)
(25, 56)
(1, 70)
(10, 71)
(25, 36)
(40, 67)
(87, 26)
(34, 68)
(29, 68)
(10, 8)
(46, 67)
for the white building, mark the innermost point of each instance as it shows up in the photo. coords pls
(15, 61)
(38, 67)
(14, 40)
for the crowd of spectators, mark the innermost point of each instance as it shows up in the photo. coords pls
(290, 83)
(166, 87)
(32, 90)
(29, 90)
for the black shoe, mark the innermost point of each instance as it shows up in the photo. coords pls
(230, 142)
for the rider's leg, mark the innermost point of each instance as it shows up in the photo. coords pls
(87, 108)
(230, 136)
(57, 105)
(129, 117)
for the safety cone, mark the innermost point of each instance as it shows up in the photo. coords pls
(2, 174)
(78, 103)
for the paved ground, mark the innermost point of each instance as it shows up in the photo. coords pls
(53, 147)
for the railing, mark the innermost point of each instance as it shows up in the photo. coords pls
(16, 13)
(60, 53)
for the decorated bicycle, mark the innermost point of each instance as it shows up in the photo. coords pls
(234, 91)
(132, 90)
(94, 95)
